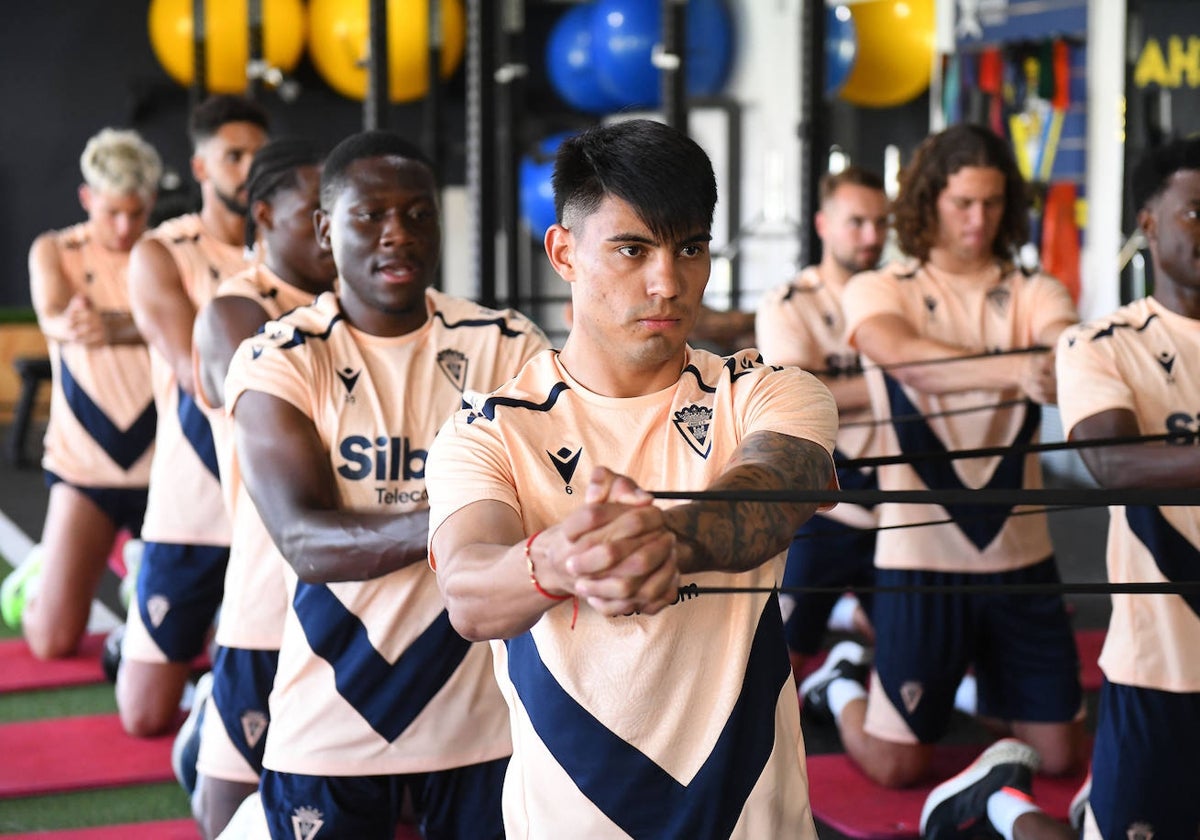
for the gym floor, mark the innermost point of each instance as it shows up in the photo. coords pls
(1079, 539)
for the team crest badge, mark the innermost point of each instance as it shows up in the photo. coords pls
(911, 693)
(158, 606)
(454, 364)
(306, 822)
(693, 422)
(999, 298)
(254, 724)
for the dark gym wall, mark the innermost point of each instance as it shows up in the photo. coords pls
(71, 68)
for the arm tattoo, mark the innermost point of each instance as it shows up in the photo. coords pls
(738, 536)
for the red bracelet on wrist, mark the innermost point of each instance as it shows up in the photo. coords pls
(533, 579)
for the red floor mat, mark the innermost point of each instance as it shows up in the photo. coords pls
(76, 753)
(845, 800)
(162, 830)
(19, 671)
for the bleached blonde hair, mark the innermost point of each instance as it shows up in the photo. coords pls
(120, 161)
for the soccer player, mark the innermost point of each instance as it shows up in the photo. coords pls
(928, 325)
(801, 323)
(290, 269)
(636, 710)
(174, 270)
(101, 433)
(335, 408)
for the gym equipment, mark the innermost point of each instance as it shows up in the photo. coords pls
(625, 32)
(537, 191)
(338, 44)
(841, 46)
(894, 61)
(227, 39)
(570, 63)
(19, 671)
(77, 753)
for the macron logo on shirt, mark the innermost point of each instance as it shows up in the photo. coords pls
(565, 461)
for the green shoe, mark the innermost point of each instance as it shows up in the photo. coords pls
(17, 588)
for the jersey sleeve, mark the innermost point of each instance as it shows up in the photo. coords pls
(792, 402)
(1052, 305)
(467, 463)
(269, 366)
(1089, 381)
(867, 295)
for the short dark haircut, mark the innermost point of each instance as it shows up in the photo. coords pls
(1156, 166)
(660, 172)
(854, 176)
(216, 111)
(274, 168)
(922, 181)
(365, 144)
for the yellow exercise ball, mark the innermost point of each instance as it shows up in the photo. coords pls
(338, 44)
(894, 59)
(227, 39)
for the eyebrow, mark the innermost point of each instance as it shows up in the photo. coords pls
(641, 239)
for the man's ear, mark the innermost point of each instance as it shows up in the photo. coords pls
(321, 228)
(264, 216)
(1148, 224)
(85, 198)
(199, 170)
(560, 249)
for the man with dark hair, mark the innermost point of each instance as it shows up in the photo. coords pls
(636, 710)
(935, 330)
(1126, 375)
(335, 405)
(801, 323)
(173, 271)
(289, 269)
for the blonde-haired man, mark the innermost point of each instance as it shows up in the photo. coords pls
(101, 431)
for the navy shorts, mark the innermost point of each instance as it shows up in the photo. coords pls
(179, 588)
(824, 553)
(1022, 648)
(1144, 770)
(462, 803)
(242, 681)
(125, 506)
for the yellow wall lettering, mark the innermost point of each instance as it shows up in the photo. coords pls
(1172, 70)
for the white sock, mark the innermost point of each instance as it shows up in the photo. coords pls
(1003, 808)
(842, 616)
(966, 697)
(843, 691)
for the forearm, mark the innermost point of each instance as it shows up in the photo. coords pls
(935, 368)
(1150, 465)
(119, 328)
(489, 593)
(325, 546)
(738, 536)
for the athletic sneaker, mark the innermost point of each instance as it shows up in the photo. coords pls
(186, 749)
(1078, 809)
(18, 588)
(110, 655)
(958, 807)
(847, 660)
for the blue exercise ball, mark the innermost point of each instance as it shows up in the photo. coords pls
(841, 46)
(570, 63)
(624, 35)
(536, 185)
